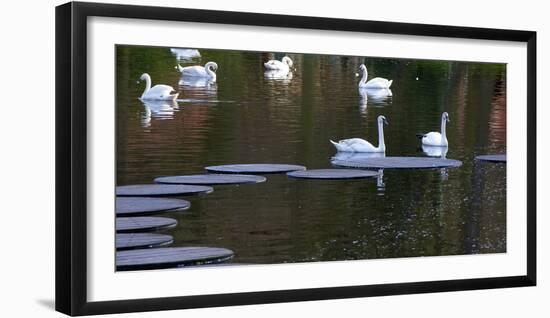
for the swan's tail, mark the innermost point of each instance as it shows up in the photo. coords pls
(389, 83)
(420, 136)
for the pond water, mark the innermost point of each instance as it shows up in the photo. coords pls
(246, 117)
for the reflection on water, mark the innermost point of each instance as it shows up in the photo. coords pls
(374, 97)
(197, 82)
(246, 117)
(158, 109)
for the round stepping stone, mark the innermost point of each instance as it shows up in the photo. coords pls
(161, 190)
(398, 163)
(261, 168)
(167, 257)
(212, 179)
(492, 158)
(144, 224)
(132, 206)
(141, 240)
(333, 174)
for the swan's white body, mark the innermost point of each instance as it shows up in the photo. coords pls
(437, 138)
(157, 92)
(284, 65)
(361, 145)
(375, 83)
(435, 151)
(206, 71)
(278, 74)
(185, 54)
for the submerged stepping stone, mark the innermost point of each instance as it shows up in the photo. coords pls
(133, 206)
(333, 174)
(261, 168)
(161, 190)
(398, 163)
(144, 224)
(142, 240)
(167, 257)
(492, 158)
(212, 179)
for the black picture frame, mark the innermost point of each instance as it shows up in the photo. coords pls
(71, 157)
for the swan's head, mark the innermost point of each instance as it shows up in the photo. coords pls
(212, 65)
(362, 68)
(288, 61)
(144, 77)
(445, 117)
(382, 120)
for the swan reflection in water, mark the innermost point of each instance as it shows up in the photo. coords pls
(197, 82)
(437, 151)
(280, 75)
(376, 97)
(198, 88)
(158, 109)
(358, 156)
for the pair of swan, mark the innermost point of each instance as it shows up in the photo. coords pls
(432, 139)
(165, 92)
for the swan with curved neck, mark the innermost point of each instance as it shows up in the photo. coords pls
(157, 92)
(206, 71)
(361, 145)
(375, 83)
(283, 65)
(435, 138)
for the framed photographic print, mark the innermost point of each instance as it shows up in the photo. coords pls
(209, 158)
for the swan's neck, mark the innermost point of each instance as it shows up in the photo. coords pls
(147, 85)
(286, 60)
(381, 144)
(209, 71)
(443, 129)
(364, 78)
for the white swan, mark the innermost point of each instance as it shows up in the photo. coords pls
(361, 145)
(435, 138)
(207, 71)
(185, 54)
(377, 82)
(157, 92)
(284, 65)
